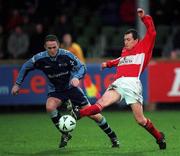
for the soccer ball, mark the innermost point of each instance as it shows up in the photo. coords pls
(67, 123)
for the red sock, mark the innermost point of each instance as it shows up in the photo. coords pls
(91, 110)
(152, 130)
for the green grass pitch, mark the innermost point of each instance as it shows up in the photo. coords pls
(33, 134)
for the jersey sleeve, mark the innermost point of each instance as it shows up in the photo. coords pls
(149, 38)
(78, 69)
(26, 67)
(113, 63)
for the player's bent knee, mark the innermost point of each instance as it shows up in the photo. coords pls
(50, 107)
(52, 104)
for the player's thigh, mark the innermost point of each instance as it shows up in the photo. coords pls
(137, 109)
(109, 97)
(52, 103)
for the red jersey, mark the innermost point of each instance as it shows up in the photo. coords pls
(133, 62)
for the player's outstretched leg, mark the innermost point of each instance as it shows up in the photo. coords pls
(87, 111)
(107, 129)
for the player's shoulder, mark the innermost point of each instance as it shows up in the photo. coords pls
(39, 56)
(65, 52)
(147, 17)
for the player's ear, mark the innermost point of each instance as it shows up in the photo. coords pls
(58, 44)
(136, 40)
(45, 46)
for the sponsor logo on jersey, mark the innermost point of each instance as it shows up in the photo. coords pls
(57, 75)
(132, 59)
(125, 60)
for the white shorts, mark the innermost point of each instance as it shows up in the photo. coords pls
(130, 89)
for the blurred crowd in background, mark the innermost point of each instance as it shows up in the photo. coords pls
(87, 28)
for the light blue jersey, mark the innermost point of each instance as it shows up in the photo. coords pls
(59, 69)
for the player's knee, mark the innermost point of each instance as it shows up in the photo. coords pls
(52, 104)
(50, 107)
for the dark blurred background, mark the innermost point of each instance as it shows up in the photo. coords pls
(98, 26)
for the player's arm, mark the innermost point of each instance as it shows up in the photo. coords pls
(150, 28)
(26, 67)
(110, 63)
(78, 70)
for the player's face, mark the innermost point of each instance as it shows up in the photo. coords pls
(129, 41)
(52, 47)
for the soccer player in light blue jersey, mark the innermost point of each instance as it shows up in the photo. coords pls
(63, 71)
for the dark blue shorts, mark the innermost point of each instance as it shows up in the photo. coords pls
(76, 95)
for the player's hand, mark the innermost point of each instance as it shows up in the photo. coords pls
(103, 65)
(140, 12)
(15, 90)
(75, 82)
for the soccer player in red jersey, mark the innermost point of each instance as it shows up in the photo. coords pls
(135, 56)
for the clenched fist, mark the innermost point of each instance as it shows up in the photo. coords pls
(103, 65)
(141, 12)
(15, 89)
(75, 82)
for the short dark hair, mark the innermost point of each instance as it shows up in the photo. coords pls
(51, 38)
(133, 32)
